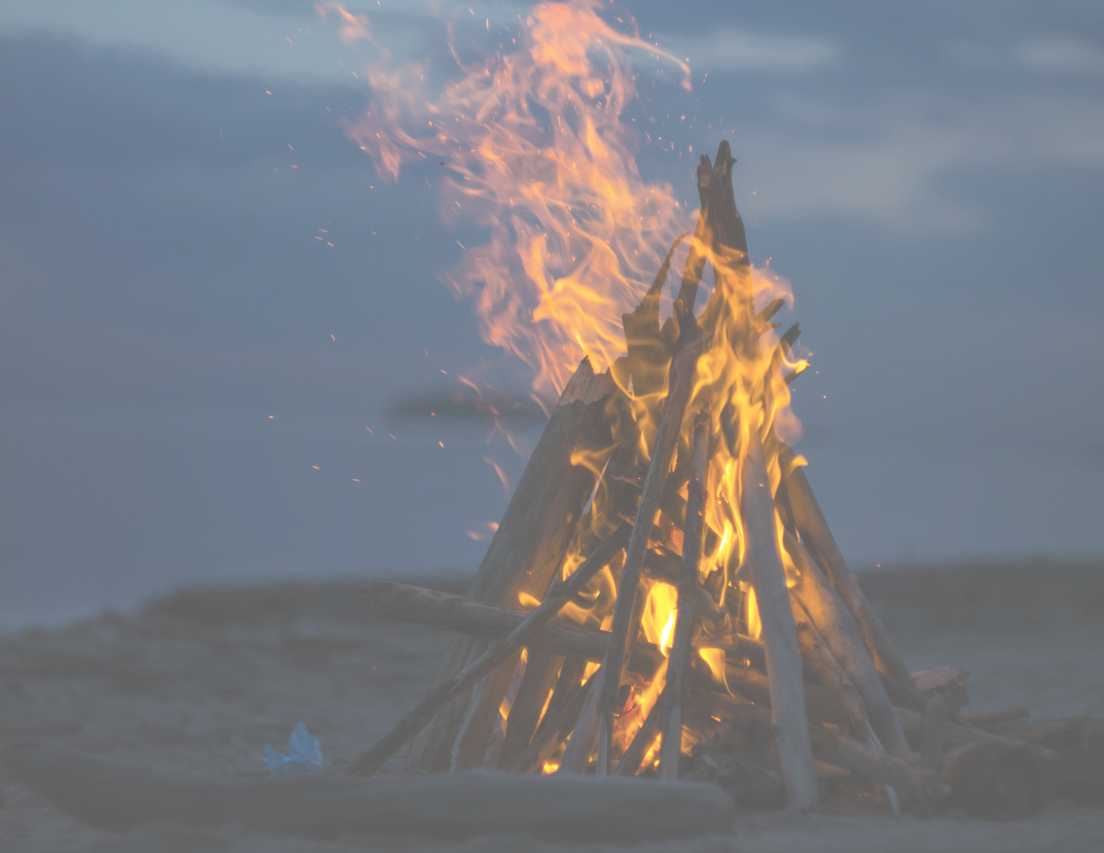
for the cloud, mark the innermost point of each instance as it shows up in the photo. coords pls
(1050, 55)
(731, 49)
(894, 163)
(234, 38)
(1061, 54)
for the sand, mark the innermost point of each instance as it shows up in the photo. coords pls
(202, 679)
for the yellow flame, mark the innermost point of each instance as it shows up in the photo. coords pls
(715, 660)
(751, 613)
(659, 615)
(528, 600)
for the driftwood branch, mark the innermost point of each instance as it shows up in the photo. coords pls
(789, 715)
(118, 796)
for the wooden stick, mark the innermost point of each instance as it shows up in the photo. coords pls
(526, 551)
(815, 533)
(678, 664)
(541, 669)
(681, 384)
(769, 310)
(454, 612)
(563, 711)
(789, 716)
(118, 796)
(619, 485)
(644, 738)
(696, 257)
(577, 754)
(420, 715)
(836, 626)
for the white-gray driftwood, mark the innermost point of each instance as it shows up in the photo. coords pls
(117, 796)
(789, 715)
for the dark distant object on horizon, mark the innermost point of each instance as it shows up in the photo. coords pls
(464, 403)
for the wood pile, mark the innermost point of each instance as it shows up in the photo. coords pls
(778, 681)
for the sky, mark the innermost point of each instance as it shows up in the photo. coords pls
(208, 298)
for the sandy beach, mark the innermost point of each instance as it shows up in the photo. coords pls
(199, 681)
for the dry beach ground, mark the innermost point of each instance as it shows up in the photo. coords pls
(199, 681)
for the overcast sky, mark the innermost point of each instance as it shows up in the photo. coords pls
(180, 344)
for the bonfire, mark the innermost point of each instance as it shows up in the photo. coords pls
(663, 596)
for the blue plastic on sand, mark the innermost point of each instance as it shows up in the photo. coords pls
(304, 752)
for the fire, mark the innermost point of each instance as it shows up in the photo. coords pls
(751, 611)
(353, 27)
(539, 157)
(658, 619)
(538, 152)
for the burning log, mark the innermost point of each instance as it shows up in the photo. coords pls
(679, 662)
(650, 729)
(497, 652)
(577, 753)
(523, 555)
(407, 603)
(541, 670)
(617, 487)
(678, 396)
(564, 709)
(789, 717)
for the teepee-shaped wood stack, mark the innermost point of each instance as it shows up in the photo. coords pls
(775, 672)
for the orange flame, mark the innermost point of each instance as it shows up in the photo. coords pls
(353, 27)
(539, 157)
(539, 154)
